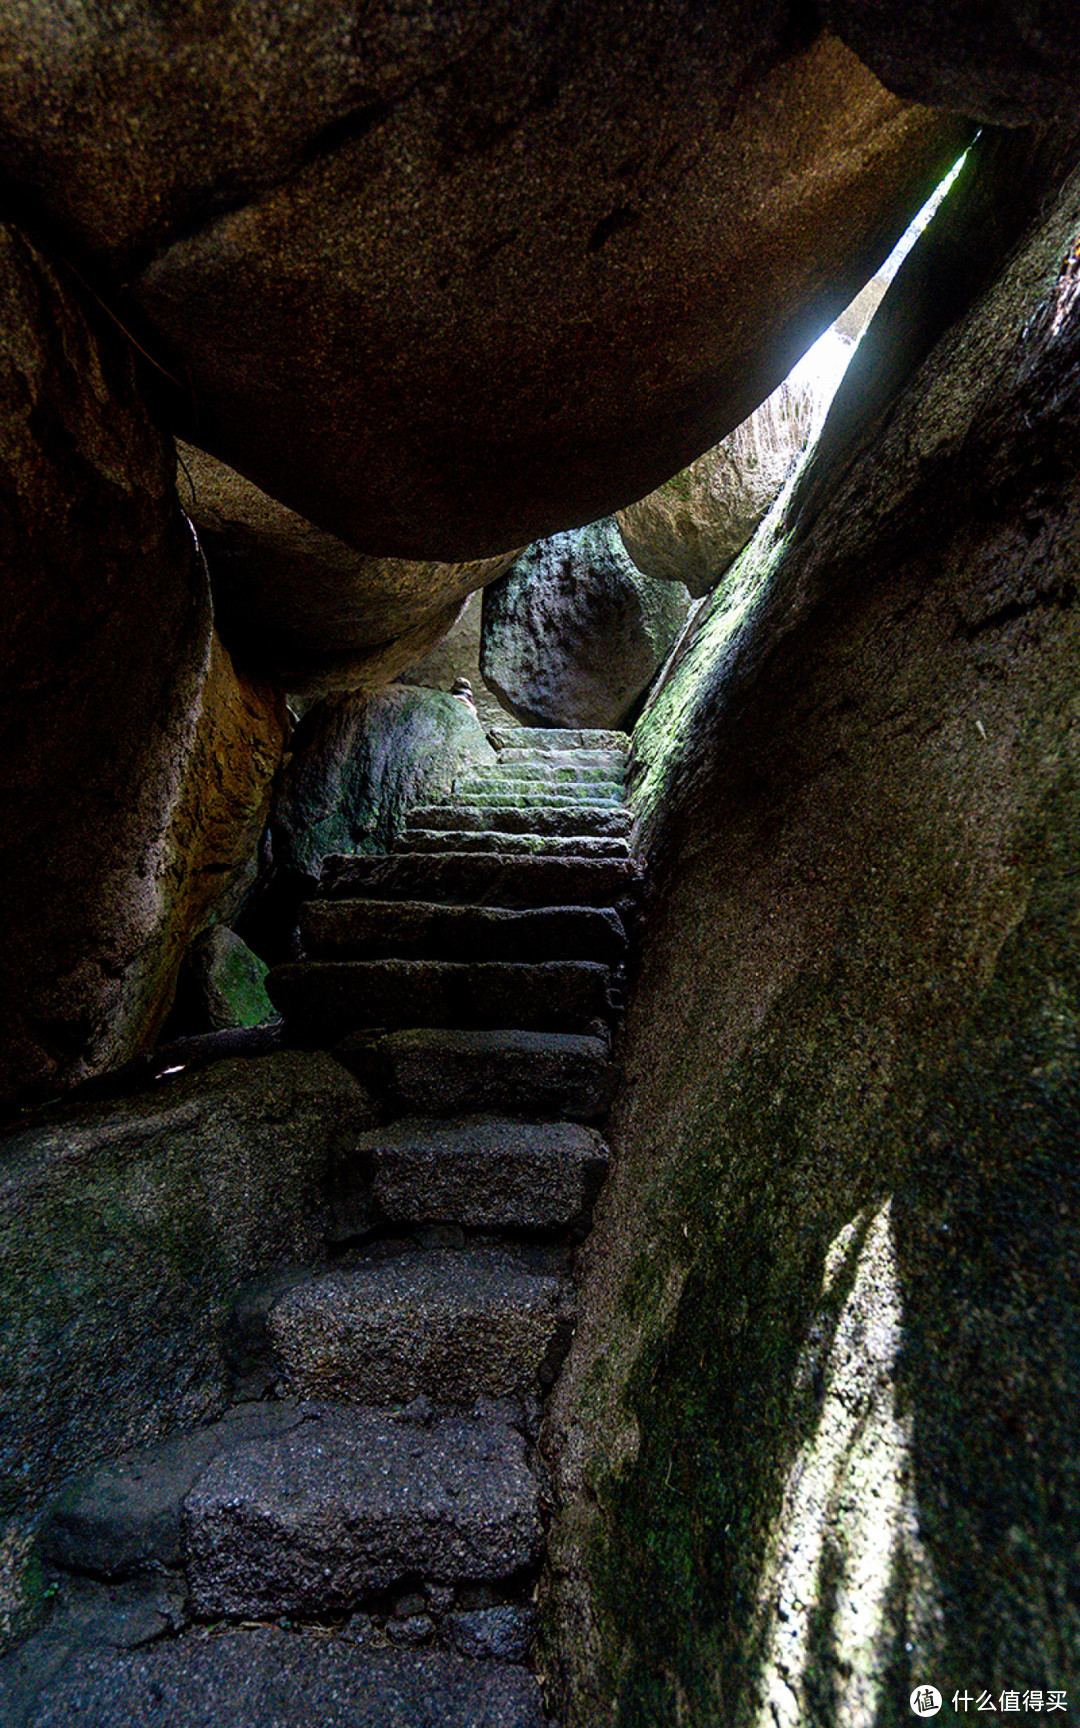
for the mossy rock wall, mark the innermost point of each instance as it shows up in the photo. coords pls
(357, 764)
(126, 1230)
(817, 1438)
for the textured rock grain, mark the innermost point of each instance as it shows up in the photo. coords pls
(541, 1073)
(125, 1233)
(1003, 61)
(273, 1679)
(479, 1171)
(374, 255)
(378, 929)
(827, 1295)
(444, 1324)
(351, 1502)
(138, 763)
(573, 633)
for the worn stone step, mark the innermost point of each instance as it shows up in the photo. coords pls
(407, 1322)
(543, 771)
(446, 1072)
(352, 1501)
(265, 1677)
(304, 1507)
(483, 1172)
(322, 1000)
(410, 929)
(614, 760)
(123, 1518)
(554, 738)
(535, 794)
(473, 879)
(569, 819)
(508, 845)
(537, 802)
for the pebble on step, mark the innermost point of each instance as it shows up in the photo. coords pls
(441, 1323)
(322, 1000)
(484, 1172)
(412, 929)
(447, 1072)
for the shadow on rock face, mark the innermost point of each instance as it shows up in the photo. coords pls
(816, 1438)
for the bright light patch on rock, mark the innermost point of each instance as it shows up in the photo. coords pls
(847, 1534)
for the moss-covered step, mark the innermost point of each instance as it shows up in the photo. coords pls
(556, 739)
(445, 1072)
(483, 1172)
(549, 770)
(322, 1000)
(568, 819)
(449, 1324)
(474, 879)
(615, 760)
(520, 788)
(410, 929)
(538, 804)
(508, 845)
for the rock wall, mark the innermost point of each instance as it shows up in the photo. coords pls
(816, 1440)
(458, 656)
(1005, 61)
(372, 253)
(691, 528)
(126, 1230)
(137, 763)
(299, 607)
(358, 763)
(573, 634)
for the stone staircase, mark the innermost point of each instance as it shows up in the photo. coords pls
(377, 1489)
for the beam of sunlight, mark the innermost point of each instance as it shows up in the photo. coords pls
(846, 1538)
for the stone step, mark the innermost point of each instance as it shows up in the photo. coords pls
(544, 771)
(352, 1501)
(535, 794)
(124, 1518)
(615, 760)
(569, 819)
(264, 1677)
(410, 929)
(504, 845)
(483, 1172)
(450, 1072)
(323, 1000)
(448, 1324)
(554, 738)
(471, 878)
(531, 809)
